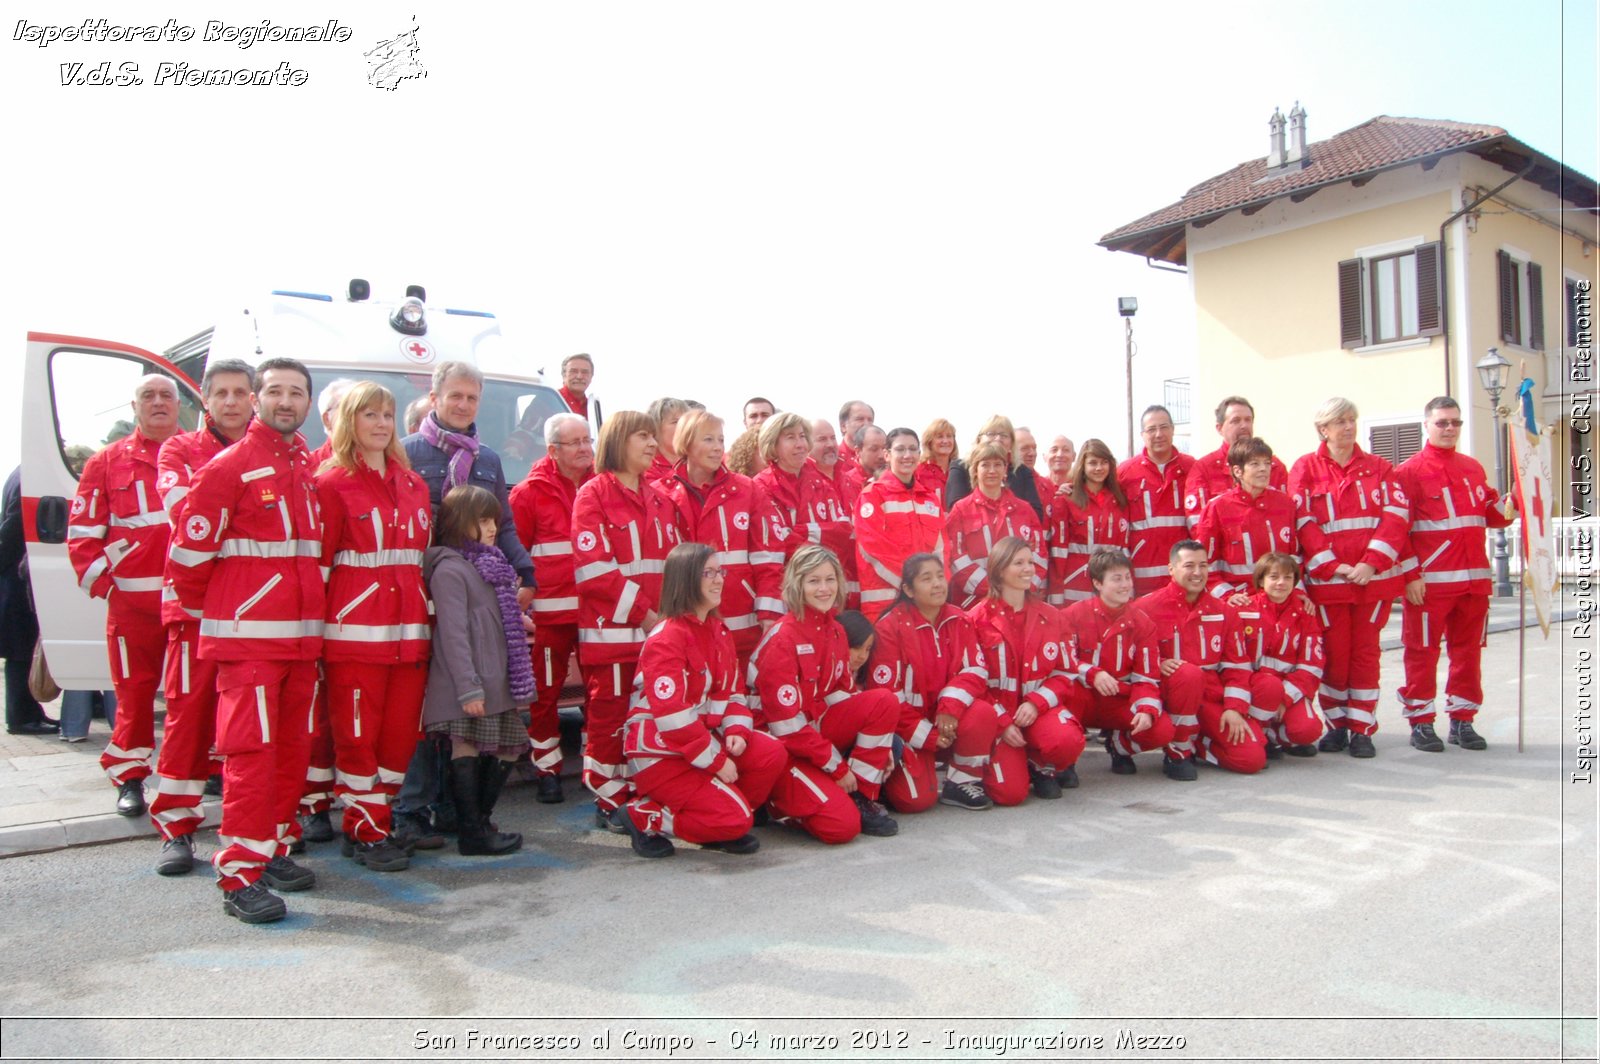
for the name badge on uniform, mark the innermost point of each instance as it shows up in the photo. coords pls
(805, 648)
(256, 474)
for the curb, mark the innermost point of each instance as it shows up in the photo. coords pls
(46, 836)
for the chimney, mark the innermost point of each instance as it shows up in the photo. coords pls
(1297, 155)
(1275, 140)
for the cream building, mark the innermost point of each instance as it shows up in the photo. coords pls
(1381, 265)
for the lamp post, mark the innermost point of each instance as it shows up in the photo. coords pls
(1128, 306)
(1493, 371)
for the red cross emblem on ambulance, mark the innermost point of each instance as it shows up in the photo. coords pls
(416, 349)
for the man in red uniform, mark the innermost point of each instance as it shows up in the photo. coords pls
(190, 683)
(577, 373)
(1205, 667)
(756, 412)
(852, 415)
(869, 445)
(246, 559)
(1448, 579)
(1210, 475)
(116, 539)
(542, 508)
(1153, 481)
(846, 480)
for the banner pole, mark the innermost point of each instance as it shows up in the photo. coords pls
(1522, 638)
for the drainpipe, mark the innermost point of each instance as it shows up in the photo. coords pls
(1444, 288)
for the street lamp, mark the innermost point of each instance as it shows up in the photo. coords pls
(1494, 370)
(1128, 306)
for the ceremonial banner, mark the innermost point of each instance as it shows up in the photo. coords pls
(1530, 458)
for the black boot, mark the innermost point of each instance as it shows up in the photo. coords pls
(493, 774)
(473, 837)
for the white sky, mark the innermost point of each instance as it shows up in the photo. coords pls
(888, 200)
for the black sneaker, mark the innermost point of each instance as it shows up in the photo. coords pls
(1274, 752)
(549, 791)
(1301, 750)
(763, 816)
(1334, 740)
(1181, 770)
(177, 856)
(130, 798)
(875, 819)
(1044, 784)
(297, 847)
(213, 788)
(1361, 746)
(1464, 735)
(965, 796)
(381, 856)
(317, 827)
(1068, 778)
(745, 843)
(644, 844)
(283, 874)
(1121, 764)
(411, 834)
(1423, 737)
(254, 904)
(608, 821)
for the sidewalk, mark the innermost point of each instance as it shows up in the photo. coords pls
(53, 794)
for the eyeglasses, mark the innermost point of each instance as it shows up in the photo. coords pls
(1152, 430)
(903, 451)
(1448, 423)
(585, 442)
(713, 572)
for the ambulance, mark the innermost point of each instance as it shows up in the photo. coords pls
(77, 395)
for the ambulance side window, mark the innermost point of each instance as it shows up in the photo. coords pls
(92, 395)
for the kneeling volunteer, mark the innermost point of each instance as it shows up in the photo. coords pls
(1285, 643)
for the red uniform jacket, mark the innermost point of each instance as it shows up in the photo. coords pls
(542, 508)
(620, 541)
(249, 550)
(1362, 513)
(847, 482)
(1207, 633)
(374, 530)
(1156, 518)
(117, 534)
(1236, 530)
(1452, 507)
(686, 689)
(893, 522)
(1286, 639)
(1076, 532)
(1029, 653)
(975, 524)
(1210, 477)
(735, 515)
(934, 666)
(180, 457)
(1122, 644)
(811, 511)
(930, 476)
(799, 670)
(661, 468)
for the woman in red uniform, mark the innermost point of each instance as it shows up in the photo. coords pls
(376, 641)
(927, 653)
(733, 514)
(1356, 502)
(980, 520)
(938, 451)
(622, 529)
(805, 497)
(1091, 515)
(1287, 659)
(895, 518)
(699, 767)
(1031, 672)
(840, 741)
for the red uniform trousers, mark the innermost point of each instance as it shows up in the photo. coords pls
(605, 770)
(807, 797)
(1460, 620)
(135, 643)
(375, 719)
(1284, 722)
(187, 736)
(862, 727)
(1197, 693)
(692, 804)
(552, 649)
(914, 786)
(1055, 740)
(1182, 694)
(1350, 632)
(317, 793)
(1114, 713)
(265, 716)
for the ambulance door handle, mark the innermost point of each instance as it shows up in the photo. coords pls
(51, 520)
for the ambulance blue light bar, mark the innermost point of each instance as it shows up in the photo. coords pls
(303, 295)
(469, 313)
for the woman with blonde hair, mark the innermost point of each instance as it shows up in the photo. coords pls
(999, 431)
(806, 499)
(982, 519)
(377, 634)
(1090, 516)
(938, 454)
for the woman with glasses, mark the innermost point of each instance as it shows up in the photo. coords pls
(698, 766)
(1091, 516)
(1000, 432)
(896, 517)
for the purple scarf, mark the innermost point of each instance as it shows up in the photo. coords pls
(461, 447)
(498, 574)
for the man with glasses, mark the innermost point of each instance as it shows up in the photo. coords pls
(1448, 578)
(542, 508)
(1153, 481)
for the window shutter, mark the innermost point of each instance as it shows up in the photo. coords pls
(1508, 297)
(1407, 441)
(1352, 315)
(1430, 289)
(1381, 442)
(1535, 307)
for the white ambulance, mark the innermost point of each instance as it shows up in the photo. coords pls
(77, 393)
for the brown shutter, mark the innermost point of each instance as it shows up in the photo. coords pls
(1407, 441)
(1352, 315)
(1430, 289)
(1535, 307)
(1381, 442)
(1508, 297)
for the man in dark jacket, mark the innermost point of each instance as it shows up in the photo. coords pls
(19, 626)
